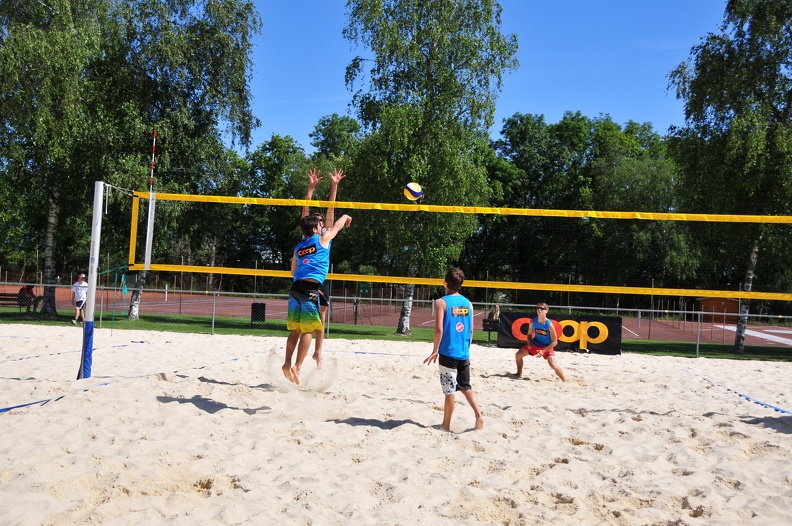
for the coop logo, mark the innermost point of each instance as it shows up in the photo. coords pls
(459, 311)
(306, 251)
(584, 332)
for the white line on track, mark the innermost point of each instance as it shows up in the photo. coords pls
(757, 334)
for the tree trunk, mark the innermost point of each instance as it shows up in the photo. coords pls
(404, 317)
(137, 292)
(742, 319)
(48, 308)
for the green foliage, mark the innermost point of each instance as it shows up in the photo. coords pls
(335, 136)
(581, 163)
(82, 85)
(735, 150)
(447, 57)
(428, 101)
(277, 169)
(736, 141)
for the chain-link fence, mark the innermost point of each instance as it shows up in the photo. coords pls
(675, 332)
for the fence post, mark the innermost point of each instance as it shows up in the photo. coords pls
(698, 333)
(329, 313)
(723, 328)
(214, 309)
(101, 306)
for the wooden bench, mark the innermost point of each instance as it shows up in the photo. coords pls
(11, 299)
(489, 326)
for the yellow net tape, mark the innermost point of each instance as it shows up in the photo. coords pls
(395, 207)
(506, 285)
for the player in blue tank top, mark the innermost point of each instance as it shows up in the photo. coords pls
(452, 337)
(309, 268)
(542, 339)
(325, 221)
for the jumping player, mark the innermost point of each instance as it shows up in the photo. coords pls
(309, 267)
(542, 339)
(326, 221)
(452, 336)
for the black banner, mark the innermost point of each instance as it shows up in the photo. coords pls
(596, 334)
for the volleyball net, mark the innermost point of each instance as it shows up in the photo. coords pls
(516, 216)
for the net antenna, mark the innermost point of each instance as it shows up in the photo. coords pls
(152, 203)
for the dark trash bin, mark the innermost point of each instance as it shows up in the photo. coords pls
(258, 312)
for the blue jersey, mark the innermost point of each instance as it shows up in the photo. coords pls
(457, 325)
(541, 333)
(313, 260)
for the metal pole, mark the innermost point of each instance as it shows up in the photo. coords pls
(698, 334)
(214, 309)
(93, 266)
(151, 207)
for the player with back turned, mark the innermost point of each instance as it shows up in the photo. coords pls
(309, 266)
(325, 221)
(452, 337)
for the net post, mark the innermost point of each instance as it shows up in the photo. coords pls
(93, 267)
(150, 230)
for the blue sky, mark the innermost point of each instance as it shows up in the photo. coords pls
(598, 57)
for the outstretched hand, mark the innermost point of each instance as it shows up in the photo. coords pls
(337, 175)
(313, 178)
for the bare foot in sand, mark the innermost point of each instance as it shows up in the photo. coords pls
(295, 374)
(287, 372)
(318, 357)
(479, 423)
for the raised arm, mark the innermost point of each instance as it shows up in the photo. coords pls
(336, 176)
(313, 180)
(333, 231)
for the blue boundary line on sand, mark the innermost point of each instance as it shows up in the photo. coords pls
(61, 352)
(4, 410)
(751, 399)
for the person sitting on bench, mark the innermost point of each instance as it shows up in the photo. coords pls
(28, 298)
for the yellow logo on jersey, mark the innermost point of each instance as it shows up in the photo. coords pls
(306, 251)
(459, 311)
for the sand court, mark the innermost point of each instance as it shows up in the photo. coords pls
(188, 429)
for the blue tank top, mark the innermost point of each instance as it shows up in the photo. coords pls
(541, 333)
(313, 260)
(457, 323)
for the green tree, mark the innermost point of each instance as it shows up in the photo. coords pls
(84, 83)
(736, 145)
(428, 100)
(552, 162)
(582, 164)
(44, 52)
(335, 136)
(277, 170)
(631, 171)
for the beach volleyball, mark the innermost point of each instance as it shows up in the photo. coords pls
(413, 191)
